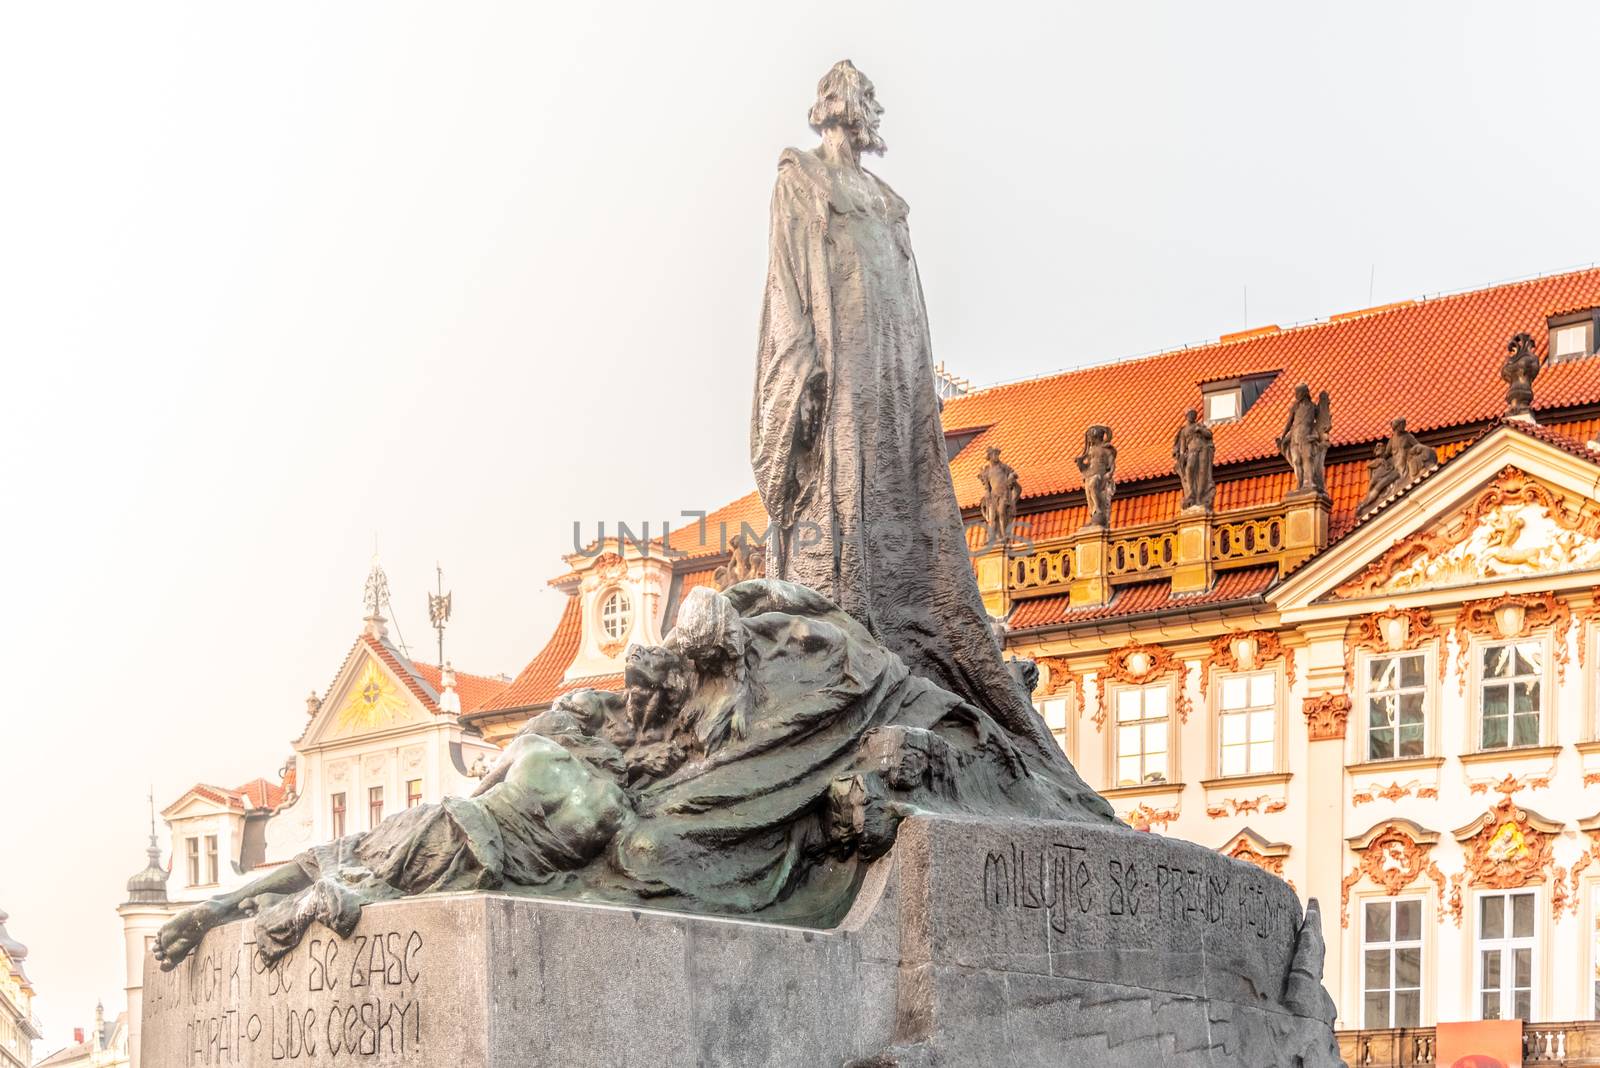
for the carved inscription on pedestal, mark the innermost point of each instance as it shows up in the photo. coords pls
(330, 1001)
(1196, 890)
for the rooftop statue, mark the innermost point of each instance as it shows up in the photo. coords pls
(770, 746)
(1001, 494)
(1396, 462)
(1304, 441)
(1518, 372)
(1193, 452)
(1097, 463)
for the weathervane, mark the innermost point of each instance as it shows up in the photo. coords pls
(439, 609)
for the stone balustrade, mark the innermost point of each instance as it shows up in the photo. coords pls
(1569, 1045)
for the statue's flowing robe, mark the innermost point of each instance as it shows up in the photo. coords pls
(867, 514)
(739, 830)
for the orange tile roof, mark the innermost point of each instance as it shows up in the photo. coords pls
(695, 539)
(544, 677)
(1142, 597)
(473, 690)
(259, 792)
(1437, 362)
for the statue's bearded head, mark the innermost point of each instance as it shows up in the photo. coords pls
(846, 98)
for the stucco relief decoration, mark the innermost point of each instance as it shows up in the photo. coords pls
(610, 567)
(1326, 715)
(1247, 651)
(374, 701)
(1395, 630)
(1234, 806)
(372, 767)
(1137, 665)
(1146, 817)
(1058, 677)
(1393, 857)
(1253, 849)
(1510, 784)
(1394, 792)
(1589, 617)
(1507, 847)
(1573, 897)
(1511, 616)
(1514, 528)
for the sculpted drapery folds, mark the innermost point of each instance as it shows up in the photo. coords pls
(1193, 452)
(1304, 441)
(1097, 464)
(845, 438)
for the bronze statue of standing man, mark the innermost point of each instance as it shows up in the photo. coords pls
(845, 436)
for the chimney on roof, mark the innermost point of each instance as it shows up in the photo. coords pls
(77, 1036)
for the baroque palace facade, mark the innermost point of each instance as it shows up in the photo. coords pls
(1393, 704)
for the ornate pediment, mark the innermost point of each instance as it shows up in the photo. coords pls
(1513, 528)
(370, 700)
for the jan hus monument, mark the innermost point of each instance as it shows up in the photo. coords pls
(821, 825)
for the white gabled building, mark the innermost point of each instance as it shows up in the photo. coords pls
(386, 735)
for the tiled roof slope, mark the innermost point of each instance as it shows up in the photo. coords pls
(542, 680)
(1141, 597)
(1436, 362)
(259, 792)
(473, 690)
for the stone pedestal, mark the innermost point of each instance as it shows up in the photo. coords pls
(972, 943)
(1091, 581)
(1305, 527)
(1193, 571)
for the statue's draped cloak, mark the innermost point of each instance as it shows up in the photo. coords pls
(740, 830)
(867, 514)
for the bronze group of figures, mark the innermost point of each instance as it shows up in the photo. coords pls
(768, 749)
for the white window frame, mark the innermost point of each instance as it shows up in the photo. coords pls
(1547, 693)
(192, 854)
(1059, 716)
(1169, 687)
(1585, 324)
(1507, 945)
(1420, 944)
(1220, 717)
(622, 618)
(1365, 694)
(1592, 890)
(213, 864)
(1236, 392)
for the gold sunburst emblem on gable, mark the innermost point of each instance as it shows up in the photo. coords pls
(375, 701)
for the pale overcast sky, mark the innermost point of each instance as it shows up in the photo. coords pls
(276, 279)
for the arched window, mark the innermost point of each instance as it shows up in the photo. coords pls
(616, 615)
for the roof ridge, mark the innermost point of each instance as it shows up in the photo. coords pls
(1331, 319)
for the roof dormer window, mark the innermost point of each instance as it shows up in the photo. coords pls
(1223, 405)
(1572, 337)
(1227, 399)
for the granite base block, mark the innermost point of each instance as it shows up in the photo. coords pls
(973, 943)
